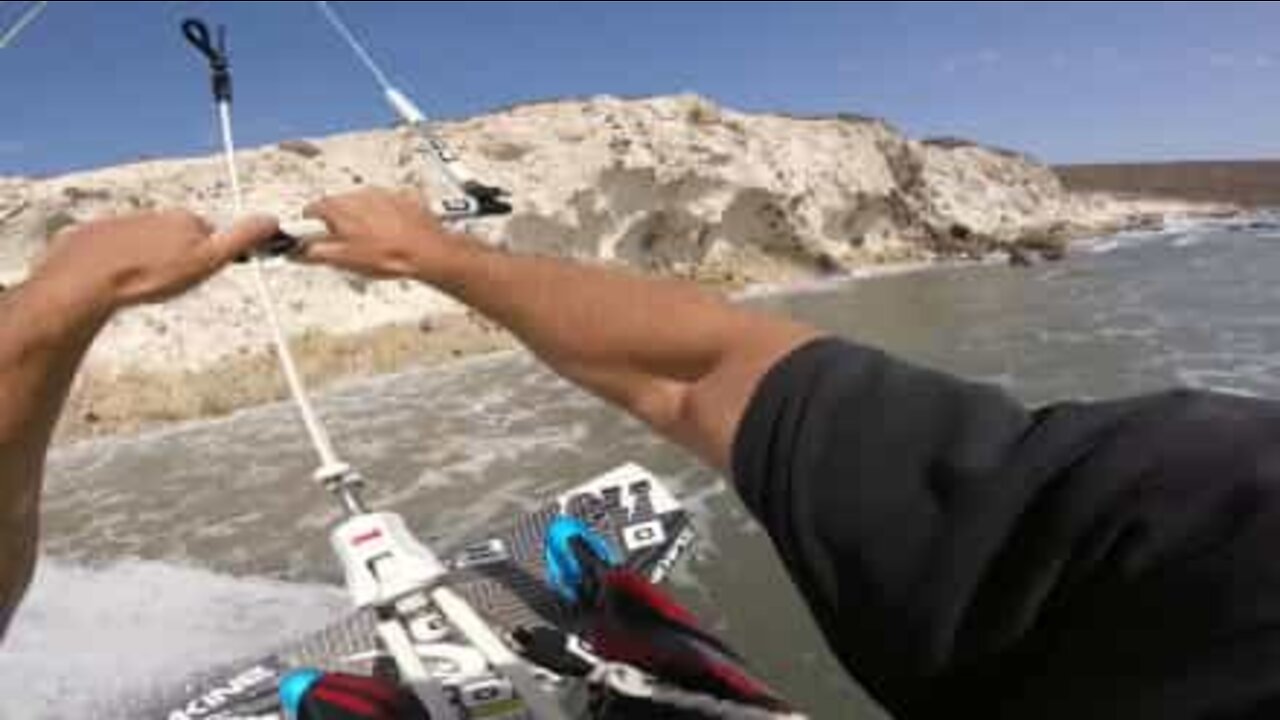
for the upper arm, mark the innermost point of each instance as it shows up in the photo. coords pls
(703, 415)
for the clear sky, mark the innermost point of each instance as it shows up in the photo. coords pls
(94, 83)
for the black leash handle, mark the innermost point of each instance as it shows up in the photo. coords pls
(197, 33)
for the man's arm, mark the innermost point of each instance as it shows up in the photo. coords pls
(679, 358)
(43, 335)
(962, 555)
(48, 323)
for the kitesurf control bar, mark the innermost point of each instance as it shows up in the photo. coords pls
(463, 196)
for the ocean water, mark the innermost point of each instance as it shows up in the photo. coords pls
(172, 551)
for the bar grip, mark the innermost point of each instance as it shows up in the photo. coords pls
(304, 230)
(292, 237)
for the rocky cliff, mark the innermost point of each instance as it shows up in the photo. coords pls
(673, 184)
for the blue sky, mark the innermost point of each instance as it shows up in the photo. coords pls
(94, 83)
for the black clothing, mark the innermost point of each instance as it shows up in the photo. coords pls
(967, 557)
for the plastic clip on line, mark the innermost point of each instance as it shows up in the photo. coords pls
(333, 473)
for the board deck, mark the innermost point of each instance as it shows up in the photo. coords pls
(501, 575)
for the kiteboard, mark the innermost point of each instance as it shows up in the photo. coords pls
(502, 574)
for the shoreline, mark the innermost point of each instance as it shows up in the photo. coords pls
(107, 403)
(134, 402)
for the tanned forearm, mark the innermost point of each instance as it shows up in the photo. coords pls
(677, 356)
(670, 353)
(44, 333)
(46, 325)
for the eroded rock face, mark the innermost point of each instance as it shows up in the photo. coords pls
(671, 184)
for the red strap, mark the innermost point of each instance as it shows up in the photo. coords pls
(353, 697)
(367, 686)
(351, 703)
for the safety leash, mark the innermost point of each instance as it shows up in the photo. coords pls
(387, 570)
(331, 469)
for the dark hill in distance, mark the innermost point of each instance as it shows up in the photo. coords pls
(1243, 182)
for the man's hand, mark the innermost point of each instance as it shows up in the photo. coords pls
(380, 233)
(147, 257)
(47, 324)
